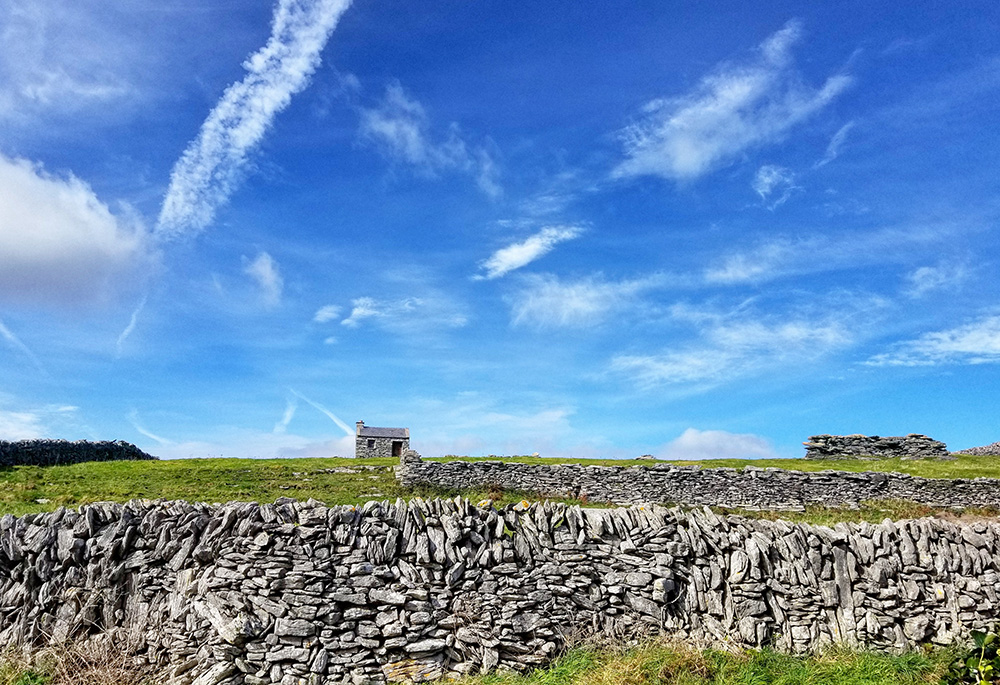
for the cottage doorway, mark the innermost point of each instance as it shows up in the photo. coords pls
(397, 448)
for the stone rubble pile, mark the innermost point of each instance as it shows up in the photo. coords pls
(749, 488)
(991, 450)
(299, 593)
(52, 452)
(912, 446)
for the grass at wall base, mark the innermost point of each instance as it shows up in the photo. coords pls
(655, 662)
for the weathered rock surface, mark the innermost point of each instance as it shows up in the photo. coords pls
(991, 450)
(912, 446)
(302, 593)
(748, 488)
(50, 452)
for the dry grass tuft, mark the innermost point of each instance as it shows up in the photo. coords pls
(92, 663)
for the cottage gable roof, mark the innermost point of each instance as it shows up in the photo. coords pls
(379, 432)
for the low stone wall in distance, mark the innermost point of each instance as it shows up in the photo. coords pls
(912, 446)
(749, 488)
(51, 452)
(991, 450)
(301, 593)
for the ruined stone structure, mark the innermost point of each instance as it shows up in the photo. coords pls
(52, 452)
(912, 446)
(298, 593)
(372, 441)
(748, 488)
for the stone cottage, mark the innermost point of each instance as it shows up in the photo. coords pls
(373, 441)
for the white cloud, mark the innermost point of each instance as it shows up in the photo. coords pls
(738, 344)
(512, 257)
(213, 164)
(544, 301)
(738, 107)
(774, 184)
(363, 308)
(764, 262)
(18, 425)
(265, 273)
(326, 412)
(400, 129)
(925, 279)
(132, 323)
(977, 342)
(326, 313)
(55, 57)
(695, 444)
(133, 418)
(833, 149)
(407, 314)
(286, 418)
(59, 244)
(786, 255)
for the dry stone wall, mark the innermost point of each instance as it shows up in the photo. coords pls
(991, 450)
(749, 488)
(301, 593)
(51, 452)
(912, 446)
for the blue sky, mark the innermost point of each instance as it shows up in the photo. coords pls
(590, 229)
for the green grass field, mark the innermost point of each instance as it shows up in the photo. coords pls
(27, 489)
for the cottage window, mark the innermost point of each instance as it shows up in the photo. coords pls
(371, 443)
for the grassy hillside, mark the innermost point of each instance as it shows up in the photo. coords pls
(25, 489)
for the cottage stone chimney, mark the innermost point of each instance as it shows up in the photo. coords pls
(358, 426)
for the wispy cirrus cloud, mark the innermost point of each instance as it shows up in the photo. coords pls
(56, 59)
(789, 255)
(742, 342)
(326, 313)
(977, 342)
(59, 243)
(264, 271)
(927, 279)
(408, 313)
(545, 301)
(833, 148)
(400, 130)
(133, 418)
(286, 417)
(213, 165)
(738, 107)
(15, 342)
(130, 328)
(774, 184)
(512, 257)
(349, 432)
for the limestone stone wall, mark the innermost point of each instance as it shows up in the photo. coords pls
(50, 452)
(749, 488)
(912, 446)
(301, 593)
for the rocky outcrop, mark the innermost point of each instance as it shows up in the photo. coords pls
(912, 446)
(52, 452)
(991, 450)
(748, 488)
(302, 593)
